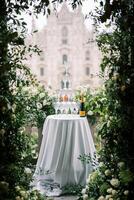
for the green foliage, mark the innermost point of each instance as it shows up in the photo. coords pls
(14, 101)
(72, 189)
(95, 103)
(37, 106)
(115, 123)
(102, 183)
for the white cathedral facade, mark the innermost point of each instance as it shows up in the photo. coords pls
(65, 41)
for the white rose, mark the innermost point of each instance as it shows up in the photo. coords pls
(34, 90)
(85, 197)
(87, 187)
(18, 198)
(101, 198)
(101, 164)
(2, 131)
(23, 193)
(121, 164)
(44, 102)
(41, 95)
(83, 191)
(115, 182)
(17, 188)
(39, 106)
(114, 192)
(27, 170)
(25, 89)
(108, 197)
(109, 190)
(108, 123)
(28, 108)
(107, 172)
(126, 192)
(14, 107)
(90, 113)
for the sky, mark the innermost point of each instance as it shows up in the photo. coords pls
(87, 6)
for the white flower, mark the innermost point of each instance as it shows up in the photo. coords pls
(85, 197)
(121, 164)
(90, 113)
(107, 172)
(39, 106)
(88, 179)
(22, 129)
(83, 191)
(87, 187)
(108, 123)
(108, 197)
(27, 170)
(101, 198)
(17, 188)
(14, 107)
(109, 190)
(101, 164)
(28, 108)
(126, 192)
(114, 192)
(41, 95)
(18, 198)
(44, 102)
(25, 89)
(23, 193)
(34, 90)
(115, 182)
(2, 131)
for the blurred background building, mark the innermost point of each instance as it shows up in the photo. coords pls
(65, 40)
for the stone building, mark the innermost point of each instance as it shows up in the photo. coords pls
(65, 40)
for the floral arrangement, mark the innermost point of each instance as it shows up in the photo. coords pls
(105, 184)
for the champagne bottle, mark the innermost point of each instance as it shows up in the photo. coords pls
(65, 98)
(82, 111)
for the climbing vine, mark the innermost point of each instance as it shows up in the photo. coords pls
(114, 178)
(116, 171)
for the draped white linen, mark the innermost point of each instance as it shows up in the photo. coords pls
(65, 138)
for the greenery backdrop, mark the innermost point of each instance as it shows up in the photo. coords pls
(114, 178)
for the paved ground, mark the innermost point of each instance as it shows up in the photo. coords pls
(63, 198)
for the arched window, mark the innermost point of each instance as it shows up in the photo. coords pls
(41, 71)
(67, 84)
(87, 71)
(64, 41)
(64, 35)
(62, 84)
(64, 59)
(64, 32)
(87, 55)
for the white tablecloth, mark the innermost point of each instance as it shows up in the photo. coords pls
(65, 138)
